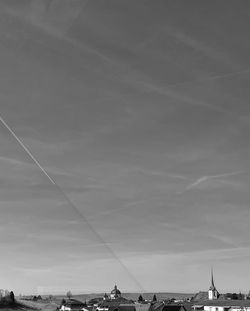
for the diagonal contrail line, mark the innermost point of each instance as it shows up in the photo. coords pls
(82, 217)
(27, 150)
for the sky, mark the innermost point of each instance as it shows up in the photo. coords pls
(137, 113)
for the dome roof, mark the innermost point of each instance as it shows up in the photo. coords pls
(115, 291)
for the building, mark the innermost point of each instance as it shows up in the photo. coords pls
(145, 306)
(113, 301)
(73, 305)
(240, 307)
(212, 292)
(123, 308)
(223, 305)
(108, 305)
(115, 293)
(105, 297)
(173, 308)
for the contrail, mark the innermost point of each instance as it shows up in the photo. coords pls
(205, 178)
(71, 204)
(27, 150)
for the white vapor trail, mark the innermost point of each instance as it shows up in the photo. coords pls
(72, 205)
(26, 149)
(205, 178)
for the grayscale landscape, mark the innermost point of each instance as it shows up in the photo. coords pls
(124, 155)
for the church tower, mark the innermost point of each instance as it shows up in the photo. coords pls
(115, 293)
(212, 292)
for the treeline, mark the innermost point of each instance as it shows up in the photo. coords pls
(6, 298)
(38, 298)
(234, 296)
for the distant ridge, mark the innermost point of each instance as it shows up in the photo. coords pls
(134, 296)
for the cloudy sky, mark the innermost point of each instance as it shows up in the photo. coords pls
(139, 111)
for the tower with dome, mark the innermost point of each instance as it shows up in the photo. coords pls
(115, 293)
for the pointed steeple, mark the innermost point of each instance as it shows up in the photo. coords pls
(212, 292)
(212, 279)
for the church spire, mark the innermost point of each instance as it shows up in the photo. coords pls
(212, 292)
(212, 278)
(212, 286)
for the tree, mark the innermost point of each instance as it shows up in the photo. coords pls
(12, 297)
(229, 295)
(240, 296)
(140, 298)
(6, 293)
(154, 298)
(63, 302)
(234, 296)
(69, 294)
(248, 295)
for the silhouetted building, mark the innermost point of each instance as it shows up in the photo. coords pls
(212, 292)
(115, 293)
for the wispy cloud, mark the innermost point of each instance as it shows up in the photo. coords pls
(182, 98)
(206, 178)
(14, 161)
(160, 173)
(215, 54)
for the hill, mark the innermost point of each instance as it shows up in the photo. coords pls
(21, 305)
(17, 306)
(129, 296)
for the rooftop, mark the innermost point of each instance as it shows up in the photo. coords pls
(229, 303)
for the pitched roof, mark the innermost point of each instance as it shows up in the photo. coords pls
(157, 306)
(226, 303)
(95, 300)
(74, 303)
(123, 308)
(187, 306)
(173, 308)
(109, 304)
(200, 296)
(143, 307)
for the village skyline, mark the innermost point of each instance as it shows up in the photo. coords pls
(212, 291)
(115, 300)
(124, 145)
